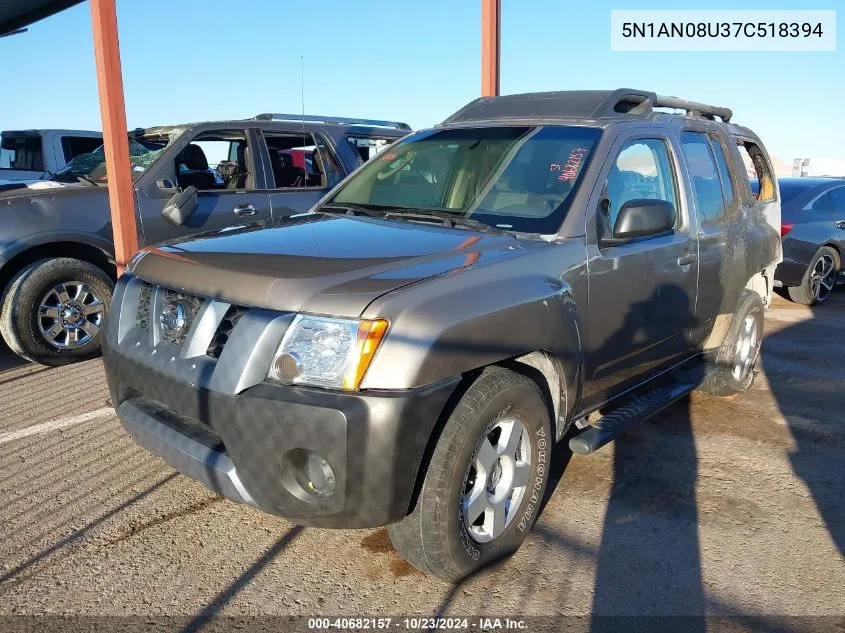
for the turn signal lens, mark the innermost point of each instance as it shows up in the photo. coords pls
(370, 334)
(786, 227)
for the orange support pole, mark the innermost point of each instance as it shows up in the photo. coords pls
(113, 113)
(491, 29)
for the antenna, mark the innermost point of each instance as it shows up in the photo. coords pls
(302, 99)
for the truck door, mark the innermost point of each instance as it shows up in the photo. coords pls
(641, 292)
(221, 164)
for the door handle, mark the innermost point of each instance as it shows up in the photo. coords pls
(685, 260)
(840, 224)
(244, 209)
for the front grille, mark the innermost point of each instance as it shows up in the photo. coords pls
(221, 335)
(177, 314)
(142, 317)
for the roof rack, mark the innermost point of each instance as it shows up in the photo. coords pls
(630, 101)
(587, 104)
(694, 108)
(268, 116)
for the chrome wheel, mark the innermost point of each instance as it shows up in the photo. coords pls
(496, 479)
(70, 315)
(746, 349)
(823, 277)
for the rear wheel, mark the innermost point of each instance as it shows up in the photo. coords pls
(485, 482)
(819, 279)
(54, 310)
(738, 353)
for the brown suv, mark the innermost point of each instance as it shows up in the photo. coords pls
(408, 353)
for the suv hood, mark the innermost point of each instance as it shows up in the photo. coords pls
(319, 263)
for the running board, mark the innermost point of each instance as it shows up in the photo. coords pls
(610, 426)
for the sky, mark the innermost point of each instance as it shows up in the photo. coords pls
(407, 60)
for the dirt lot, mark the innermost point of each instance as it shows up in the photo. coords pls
(715, 506)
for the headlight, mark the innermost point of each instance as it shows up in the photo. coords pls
(327, 352)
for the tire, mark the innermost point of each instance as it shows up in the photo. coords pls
(810, 292)
(740, 348)
(435, 537)
(22, 320)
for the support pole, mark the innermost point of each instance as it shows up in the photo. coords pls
(113, 113)
(491, 14)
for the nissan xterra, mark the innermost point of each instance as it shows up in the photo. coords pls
(408, 353)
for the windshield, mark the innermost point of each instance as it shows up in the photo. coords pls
(143, 151)
(514, 178)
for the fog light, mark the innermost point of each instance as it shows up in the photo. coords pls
(286, 367)
(320, 476)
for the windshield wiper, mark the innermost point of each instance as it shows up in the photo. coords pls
(350, 209)
(413, 215)
(447, 219)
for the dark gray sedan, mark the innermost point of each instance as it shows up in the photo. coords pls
(813, 234)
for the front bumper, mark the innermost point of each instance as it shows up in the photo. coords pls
(241, 444)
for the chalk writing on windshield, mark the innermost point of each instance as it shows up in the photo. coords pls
(570, 168)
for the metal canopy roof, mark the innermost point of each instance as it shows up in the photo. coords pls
(18, 14)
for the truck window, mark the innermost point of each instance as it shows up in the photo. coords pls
(724, 176)
(217, 159)
(301, 160)
(22, 152)
(704, 173)
(758, 169)
(73, 146)
(643, 169)
(368, 147)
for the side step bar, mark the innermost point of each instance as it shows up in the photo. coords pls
(610, 426)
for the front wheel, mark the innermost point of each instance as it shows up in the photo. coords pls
(54, 311)
(485, 482)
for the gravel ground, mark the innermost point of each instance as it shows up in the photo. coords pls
(717, 507)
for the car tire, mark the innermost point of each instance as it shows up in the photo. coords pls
(736, 357)
(33, 309)
(436, 537)
(812, 290)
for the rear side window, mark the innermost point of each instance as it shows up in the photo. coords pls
(822, 205)
(837, 200)
(22, 152)
(758, 169)
(724, 173)
(704, 173)
(368, 147)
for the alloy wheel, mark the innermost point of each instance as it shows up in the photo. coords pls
(70, 314)
(746, 348)
(496, 479)
(823, 277)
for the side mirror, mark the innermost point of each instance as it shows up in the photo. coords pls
(180, 207)
(643, 217)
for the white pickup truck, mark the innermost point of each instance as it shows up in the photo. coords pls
(27, 155)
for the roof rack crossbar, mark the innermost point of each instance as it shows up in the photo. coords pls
(694, 107)
(332, 119)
